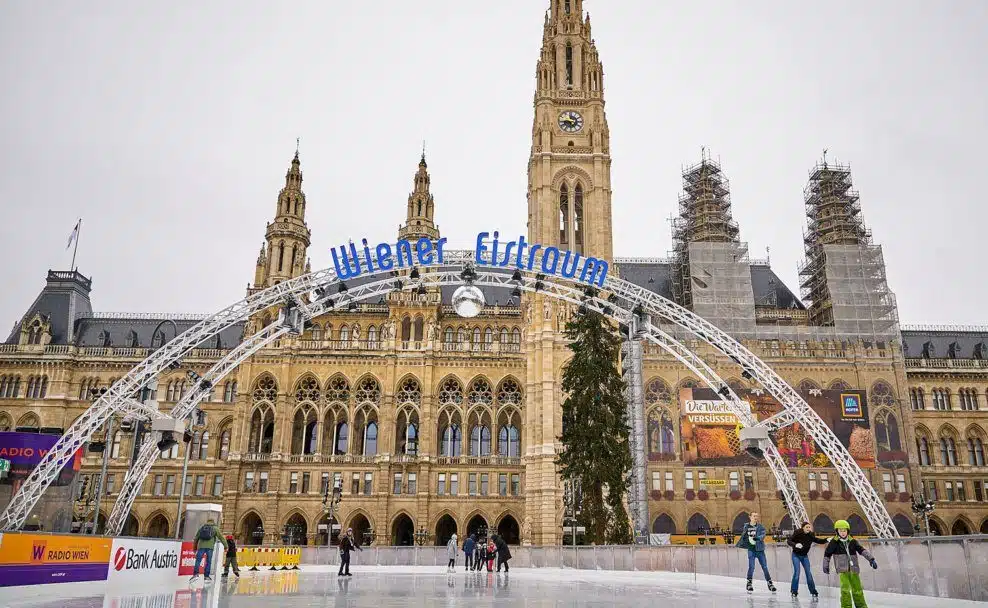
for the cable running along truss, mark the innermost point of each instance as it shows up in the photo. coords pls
(319, 292)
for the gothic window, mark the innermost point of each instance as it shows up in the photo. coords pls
(480, 393)
(372, 337)
(265, 389)
(661, 434)
(409, 393)
(448, 335)
(578, 217)
(307, 390)
(657, 392)
(294, 255)
(509, 433)
(28, 423)
(887, 432)
(461, 335)
(569, 63)
(338, 390)
(261, 438)
(948, 451)
(407, 432)
(480, 432)
(158, 340)
(204, 446)
(344, 335)
(839, 385)
(941, 399)
(923, 444)
(508, 392)
(566, 2)
(419, 212)
(450, 437)
(488, 337)
(224, 444)
(882, 395)
(281, 256)
(917, 398)
(451, 392)
(976, 451)
(476, 338)
(304, 431)
(418, 329)
(504, 335)
(368, 391)
(406, 329)
(563, 214)
(10, 387)
(316, 332)
(516, 336)
(5, 422)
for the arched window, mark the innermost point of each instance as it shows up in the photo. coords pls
(419, 326)
(448, 335)
(224, 444)
(344, 335)
(924, 451)
(563, 214)
(509, 433)
(342, 437)
(450, 392)
(461, 335)
(975, 451)
(516, 336)
(370, 439)
(115, 446)
(5, 422)
(504, 338)
(450, 436)
(480, 433)
(158, 340)
(407, 432)
(476, 338)
(317, 332)
(406, 329)
(578, 218)
(887, 432)
(948, 451)
(569, 63)
(281, 255)
(917, 398)
(372, 337)
(661, 434)
(194, 447)
(104, 338)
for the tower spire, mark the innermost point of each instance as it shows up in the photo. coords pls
(420, 215)
(287, 237)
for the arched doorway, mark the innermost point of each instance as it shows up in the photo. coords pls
(361, 527)
(936, 528)
(477, 525)
(738, 526)
(960, 528)
(786, 525)
(131, 526)
(984, 527)
(158, 527)
(251, 530)
(902, 524)
(327, 530)
(507, 529)
(697, 524)
(858, 526)
(445, 528)
(403, 531)
(663, 524)
(296, 531)
(823, 524)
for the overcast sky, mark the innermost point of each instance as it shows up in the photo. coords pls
(168, 127)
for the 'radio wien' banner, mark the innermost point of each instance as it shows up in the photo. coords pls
(26, 450)
(33, 559)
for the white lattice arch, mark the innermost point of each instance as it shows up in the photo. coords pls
(316, 293)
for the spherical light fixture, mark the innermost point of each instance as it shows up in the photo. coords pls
(468, 301)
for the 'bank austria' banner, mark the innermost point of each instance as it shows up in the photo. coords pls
(37, 559)
(149, 561)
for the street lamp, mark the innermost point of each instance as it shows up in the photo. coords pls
(368, 536)
(421, 537)
(923, 507)
(197, 418)
(329, 504)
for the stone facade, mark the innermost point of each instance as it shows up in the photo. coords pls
(482, 395)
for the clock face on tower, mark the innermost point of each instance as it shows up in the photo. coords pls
(570, 121)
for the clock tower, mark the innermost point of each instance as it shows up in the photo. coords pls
(569, 207)
(569, 170)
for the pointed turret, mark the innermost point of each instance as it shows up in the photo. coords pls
(419, 217)
(287, 237)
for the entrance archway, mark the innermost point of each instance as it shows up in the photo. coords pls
(327, 531)
(361, 530)
(132, 527)
(858, 526)
(320, 292)
(960, 528)
(445, 529)
(823, 524)
(403, 531)
(507, 529)
(296, 531)
(663, 524)
(477, 525)
(786, 525)
(251, 530)
(158, 527)
(738, 526)
(903, 524)
(697, 524)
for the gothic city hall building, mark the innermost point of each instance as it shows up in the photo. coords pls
(432, 423)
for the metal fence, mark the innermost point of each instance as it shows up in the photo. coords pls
(948, 567)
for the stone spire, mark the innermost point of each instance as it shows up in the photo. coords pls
(287, 237)
(420, 215)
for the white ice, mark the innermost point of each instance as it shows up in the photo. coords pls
(382, 587)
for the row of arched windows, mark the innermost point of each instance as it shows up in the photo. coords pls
(132, 340)
(27, 422)
(946, 446)
(37, 387)
(969, 399)
(10, 387)
(464, 335)
(199, 446)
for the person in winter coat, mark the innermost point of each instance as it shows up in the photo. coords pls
(479, 554)
(503, 552)
(231, 557)
(206, 539)
(845, 551)
(801, 541)
(347, 544)
(451, 549)
(491, 552)
(468, 546)
(753, 539)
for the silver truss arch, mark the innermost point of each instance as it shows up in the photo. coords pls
(295, 292)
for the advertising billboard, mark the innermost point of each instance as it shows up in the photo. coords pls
(33, 559)
(26, 450)
(144, 561)
(710, 431)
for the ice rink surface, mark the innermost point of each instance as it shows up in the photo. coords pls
(381, 587)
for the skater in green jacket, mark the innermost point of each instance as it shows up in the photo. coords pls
(845, 551)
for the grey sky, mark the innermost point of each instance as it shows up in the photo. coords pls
(169, 126)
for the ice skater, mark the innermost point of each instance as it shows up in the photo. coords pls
(845, 551)
(231, 557)
(479, 554)
(451, 549)
(801, 541)
(347, 544)
(753, 539)
(503, 553)
(206, 539)
(491, 552)
(468, 547)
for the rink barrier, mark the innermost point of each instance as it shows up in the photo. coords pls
(272, 558)
(953, 567)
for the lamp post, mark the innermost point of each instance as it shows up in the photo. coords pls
(923, 507)
(101, 447)
(421, 537)
(329, 504)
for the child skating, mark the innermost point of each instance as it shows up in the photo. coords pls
(845, 550)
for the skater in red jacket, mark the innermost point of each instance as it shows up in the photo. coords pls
(491, 552)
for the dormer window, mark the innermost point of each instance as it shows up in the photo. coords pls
(953, 350)
(981, 351)
(929, 351)
(104, 339)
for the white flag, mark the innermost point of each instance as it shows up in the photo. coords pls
(75, 234)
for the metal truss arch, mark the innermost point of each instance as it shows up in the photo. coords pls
(310, 296)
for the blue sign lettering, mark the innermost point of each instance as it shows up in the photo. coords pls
(488, 252)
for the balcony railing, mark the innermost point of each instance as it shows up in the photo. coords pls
(922, 363)
(257, 457)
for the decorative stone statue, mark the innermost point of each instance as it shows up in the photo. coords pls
(526, 532)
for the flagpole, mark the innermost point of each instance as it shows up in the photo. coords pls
(76, 248)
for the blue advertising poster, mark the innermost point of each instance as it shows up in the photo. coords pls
(26, 450)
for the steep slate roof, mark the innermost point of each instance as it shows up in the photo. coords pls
(943, 342)
(89, 330)
(65, 295)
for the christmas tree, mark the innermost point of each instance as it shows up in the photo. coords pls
(595, 428)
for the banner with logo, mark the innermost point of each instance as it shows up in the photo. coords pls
(26, 450)
(36, 559)
(710, 431)
(144, 561)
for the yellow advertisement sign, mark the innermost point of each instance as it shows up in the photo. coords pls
(713, 482)
(42, 549)
(716, 413)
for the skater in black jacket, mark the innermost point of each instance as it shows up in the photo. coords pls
(347, 544)
(801, 541)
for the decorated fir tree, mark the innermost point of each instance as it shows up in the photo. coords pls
(595, 428)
